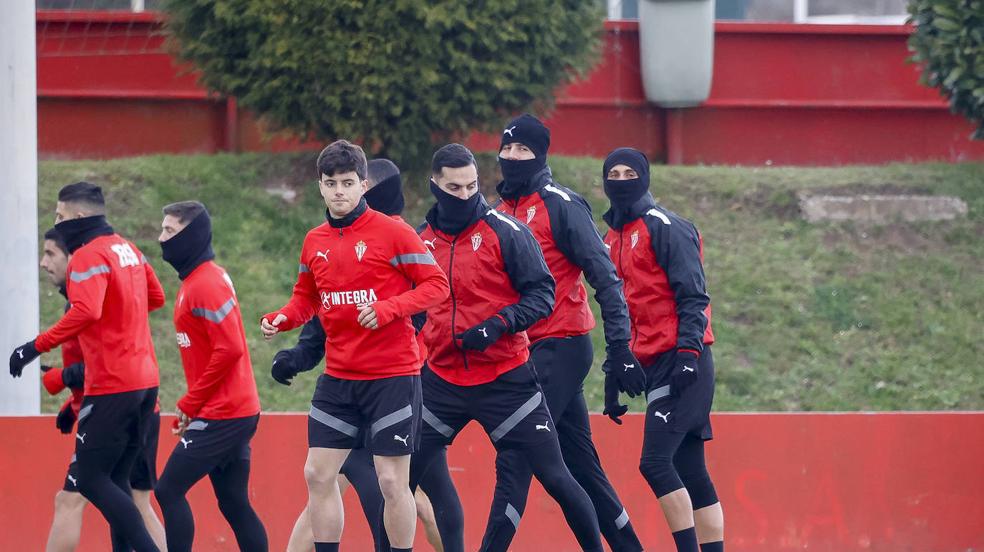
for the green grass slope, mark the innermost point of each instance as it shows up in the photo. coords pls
(807, 316)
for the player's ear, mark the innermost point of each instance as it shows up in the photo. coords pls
(365, 185)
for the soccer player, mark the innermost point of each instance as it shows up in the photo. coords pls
(385, 195)
(66, 527)
(364, 274)
(217, 417)
(476, 340)
(561, 345)
(659, 255)
(112, 289)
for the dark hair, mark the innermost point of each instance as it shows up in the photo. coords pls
(342, 156)
(185, 210)
(381, 169)
(84, 194)
(453, 156)
(55, 236)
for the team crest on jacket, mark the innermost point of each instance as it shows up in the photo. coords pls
(360, 249)
(634, 239)
(530, 213)
(476, 241)
(325, 301)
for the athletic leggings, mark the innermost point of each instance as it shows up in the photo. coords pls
(104, 479)
(547, 465)
(561, 365)
(230, 482)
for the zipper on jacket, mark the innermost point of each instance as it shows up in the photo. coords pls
(454, 305)
(621, 268)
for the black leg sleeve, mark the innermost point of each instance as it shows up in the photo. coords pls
(581, 457)
(180, 474)
(361, 472)
(439, 488)
(108, 489)
(548, 467)
(512, 488)
(231, 485)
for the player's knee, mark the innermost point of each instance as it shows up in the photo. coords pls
(392, 485)
(66, 501)
(319, 479)
(700, 488)
(660, 474)
(166, 493)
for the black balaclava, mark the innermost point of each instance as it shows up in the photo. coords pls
(80, 231)
(191, 246)
(529, 131)
(624, 194)
(387, 196)
(451, 214)
(348, 219)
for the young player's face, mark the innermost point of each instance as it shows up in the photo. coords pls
(170, 226)
(461, 182)
(622, 172)
(342, 192)
(516, 152)
(65, 211)
(54, 261)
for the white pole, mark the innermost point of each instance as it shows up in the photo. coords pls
(19, 203)
(614, 9)
(137, 5)
(801, 10)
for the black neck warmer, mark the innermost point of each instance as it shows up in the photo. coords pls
(517, 175)
(191, 246)
(63, 291)
(348, 219)
(387, 196)
(452, 214)
(80, 231)
(619, 217)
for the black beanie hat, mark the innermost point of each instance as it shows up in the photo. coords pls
(630, 157)
(529, 131)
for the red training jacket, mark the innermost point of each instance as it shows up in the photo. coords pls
(495, 268)
(374, 260)
(112, 288)
(213, 347)
(659, 256)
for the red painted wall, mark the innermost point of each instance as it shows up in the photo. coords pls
(781, 94)
(891, 482)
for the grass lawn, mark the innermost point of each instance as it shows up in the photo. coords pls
(807, 316)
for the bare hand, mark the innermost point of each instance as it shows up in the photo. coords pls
(270, 329)
(183, 421)
(367, 317)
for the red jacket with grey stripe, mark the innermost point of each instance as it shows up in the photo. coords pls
(71, 353)
(111, 288)
(495, 267)
(213, 347)
(659, 255)
(561, 222)
(374, 259)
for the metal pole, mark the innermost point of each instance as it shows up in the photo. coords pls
(19, 206)
(801, 10)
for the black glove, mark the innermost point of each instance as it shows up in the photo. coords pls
(626, 369)
(283, 369)
(482, 335)
(613, 409)
(45, 368)
(73, 376)
(685, 370)
(21, 357)
(65, 419)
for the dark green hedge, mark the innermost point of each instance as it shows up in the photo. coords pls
(949, 41)
(393, 74)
